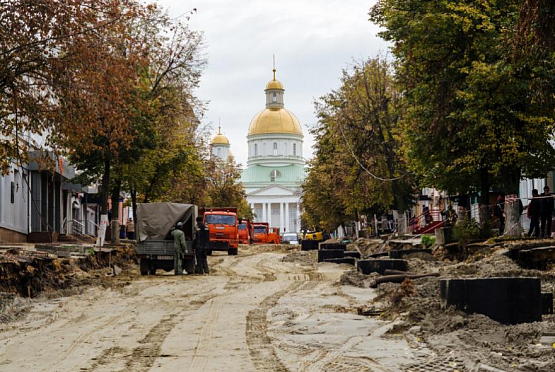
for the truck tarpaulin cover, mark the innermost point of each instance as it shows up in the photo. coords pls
(155, 220)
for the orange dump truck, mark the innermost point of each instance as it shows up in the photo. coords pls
(245, 232)
(263, 234)
(224, 229)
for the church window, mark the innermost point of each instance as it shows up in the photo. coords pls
(220, 153)
(274, 98)
(255, 149)
(274, 174)
(294, 149)
(275, 149)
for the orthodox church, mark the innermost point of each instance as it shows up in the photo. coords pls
(275, 165)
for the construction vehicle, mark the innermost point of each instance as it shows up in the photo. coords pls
(245, 232)
(155, 247)
(311, 235)
(224, 229)
(263, 234)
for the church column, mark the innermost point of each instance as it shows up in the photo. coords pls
(281, 217)
(252, 208)
(269, 214)
(298, 215)
(287, 217)
(264, 212)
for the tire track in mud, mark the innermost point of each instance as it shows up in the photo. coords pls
(142, 357)
(260, 344)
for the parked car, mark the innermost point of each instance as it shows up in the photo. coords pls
(289, 238)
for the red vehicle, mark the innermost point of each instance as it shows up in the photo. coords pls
(245, 232)
(263, 234)
(224, 229)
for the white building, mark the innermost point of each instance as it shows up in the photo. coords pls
(275, 165)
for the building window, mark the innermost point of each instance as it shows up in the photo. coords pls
(219, 153)
(255, 149)
(274, 98)
(294, 149)
(275, 149)
(274, 174)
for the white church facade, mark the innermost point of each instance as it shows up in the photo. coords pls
(275, 165)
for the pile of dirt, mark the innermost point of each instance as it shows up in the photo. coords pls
(29, 274)
(356, 279)
(305, 258)
(367, 246)
(476, 337)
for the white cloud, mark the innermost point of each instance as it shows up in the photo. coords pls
(312, 40)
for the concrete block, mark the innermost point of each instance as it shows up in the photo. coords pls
(355, 254)
(506, 300)
(346, 260)
(333, 246)
(547, 303)
(330, 253)
(380, 265)
(309, 245)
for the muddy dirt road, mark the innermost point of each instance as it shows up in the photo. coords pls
(253, 313)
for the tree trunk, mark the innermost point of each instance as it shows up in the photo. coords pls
(134, 203)
(512, 218)
(115, 212)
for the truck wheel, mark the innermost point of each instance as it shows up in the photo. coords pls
(144, 266)
(232, 252)
(209, 252)
(189, 265)
(152, 271)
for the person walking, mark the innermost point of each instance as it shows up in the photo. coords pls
(200, 244)
(546, 212)
(130, 229)
(179, 248)
(533, 213)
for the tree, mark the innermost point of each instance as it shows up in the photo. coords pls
(359, 167)
(472, 121)
(33, 47)
(223, 187)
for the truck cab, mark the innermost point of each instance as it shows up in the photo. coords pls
(264, 234)
(245, 232)
(224, 230)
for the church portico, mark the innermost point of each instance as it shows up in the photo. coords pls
(283, 214)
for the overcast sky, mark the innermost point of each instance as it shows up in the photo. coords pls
(313, 40)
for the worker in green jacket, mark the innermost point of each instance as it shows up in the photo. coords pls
(179, 247)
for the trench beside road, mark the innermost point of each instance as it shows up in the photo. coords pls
(253, 313)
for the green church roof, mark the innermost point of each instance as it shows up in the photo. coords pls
(290, 175)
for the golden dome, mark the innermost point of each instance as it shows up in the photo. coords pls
(274, 84)
(275, 121)
(219, 139)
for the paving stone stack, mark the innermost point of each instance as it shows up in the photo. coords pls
(380, 265)
(309, 245)
(506, 300)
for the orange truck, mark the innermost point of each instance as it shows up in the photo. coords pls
(224, 229)
(263, 234)
(245, 232)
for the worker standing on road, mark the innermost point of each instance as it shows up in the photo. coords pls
(202, 238)
(533, 213)
(546, 212)
(130, 229)
(179, 247)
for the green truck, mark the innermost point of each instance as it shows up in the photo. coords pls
(155, 247)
